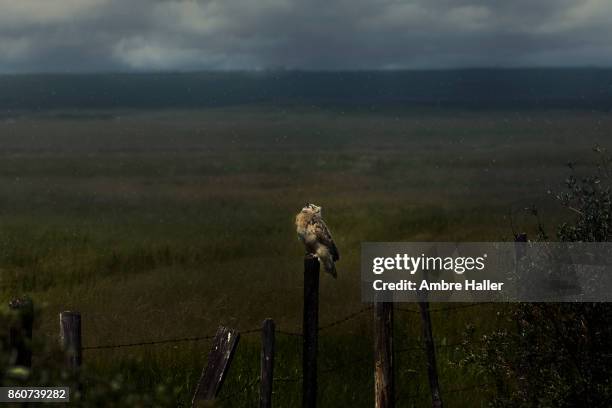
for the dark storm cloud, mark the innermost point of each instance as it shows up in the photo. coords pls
(100, 35)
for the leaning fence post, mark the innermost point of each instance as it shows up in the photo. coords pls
(432, 370)
(219, 360)
(20, 332)
(267, 364)
(384, 383)
(70, 338)
(311, 329)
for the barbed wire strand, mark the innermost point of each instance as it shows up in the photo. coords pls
(255, 330)
(346, 318)
(148, 343)
(288, 333)
(163, 341)
(331, 324)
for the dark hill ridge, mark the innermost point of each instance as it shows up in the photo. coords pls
(468, 88)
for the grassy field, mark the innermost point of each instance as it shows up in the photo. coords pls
(167, 223)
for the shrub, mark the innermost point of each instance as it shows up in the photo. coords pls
(558, 354)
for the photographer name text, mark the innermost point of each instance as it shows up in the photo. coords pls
(422, 263)
(441, 286)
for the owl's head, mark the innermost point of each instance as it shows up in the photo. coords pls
(312, 209)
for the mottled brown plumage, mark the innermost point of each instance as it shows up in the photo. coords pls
(317, 239)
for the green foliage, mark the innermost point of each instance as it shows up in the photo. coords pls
(591, 199)
(163, 224)
(558, 355)
(87, 388)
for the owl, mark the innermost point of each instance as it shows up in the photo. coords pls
(315, 236)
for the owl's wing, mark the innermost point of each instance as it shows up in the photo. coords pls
(324, 236)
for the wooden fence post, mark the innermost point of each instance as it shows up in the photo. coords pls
(219, 360)
(70, 339)
(311, 329)
(20, 332)
(384, 383)
(430, 349)
(267, 364)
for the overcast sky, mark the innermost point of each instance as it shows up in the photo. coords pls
(143, 35)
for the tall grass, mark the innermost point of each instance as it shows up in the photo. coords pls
(167, 224)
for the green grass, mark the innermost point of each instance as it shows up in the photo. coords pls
(167, 224)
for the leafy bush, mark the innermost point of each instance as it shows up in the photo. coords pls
(590, 198)
(557, 354)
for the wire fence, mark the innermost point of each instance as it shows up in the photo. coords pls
(324, 327)
(163, 341)
(358, 361)
(210, 337)
(341, 366)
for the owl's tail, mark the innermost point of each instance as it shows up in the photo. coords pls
(330, 267)
(327, 261)
(332, 270)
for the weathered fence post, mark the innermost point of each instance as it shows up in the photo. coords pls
(430, 349)
(311, 329)
(20, 332)
(384, 383)
(219, 360)
(70, 339)
(267, 364)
